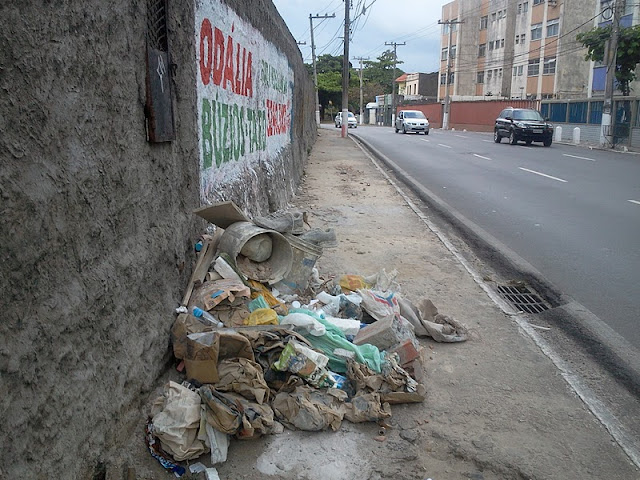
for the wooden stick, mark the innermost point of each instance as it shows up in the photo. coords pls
(205, 257)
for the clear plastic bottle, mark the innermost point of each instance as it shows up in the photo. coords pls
(206, 317)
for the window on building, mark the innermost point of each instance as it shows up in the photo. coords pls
(454, 26)
(489, 74)
(452, 77)
(525, 7)
(538, 2)
(493, 17)
(595, 112)
(546, 96)
(502, 43)
(519, 8)
(536, 31)
(578, 112)
(453, 51)
(483, 22)
(480, 77)
(549, 66)
(552, 28)
(482, 49)
(500, 72)
(517, 39)
(445, 28)
(534, 68)
(445, 52)
(557, 111)
(520, 70)
(443, 79)
(490, 45)
(522, 38)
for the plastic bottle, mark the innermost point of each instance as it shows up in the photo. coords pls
(206, 317)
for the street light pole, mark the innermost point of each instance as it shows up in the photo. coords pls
(447, 99)
(345, 73)
(313, 56)
(393, 80)
(361, 94)
(612, 53)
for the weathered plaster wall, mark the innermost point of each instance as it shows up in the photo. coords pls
(97, 231)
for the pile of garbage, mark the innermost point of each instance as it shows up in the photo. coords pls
(265, 344)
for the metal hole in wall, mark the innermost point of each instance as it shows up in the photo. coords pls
(157, 24)
(522, 298)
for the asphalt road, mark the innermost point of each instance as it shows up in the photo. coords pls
(571, 212)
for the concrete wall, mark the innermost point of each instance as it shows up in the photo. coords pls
(474, 116)
(97, 230)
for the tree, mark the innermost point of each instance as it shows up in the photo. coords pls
(628, 52)
(381, 71)
(329, 68)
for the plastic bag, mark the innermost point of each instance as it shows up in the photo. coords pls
(380, 305)
(262, 316)
(304, 320)
(334, 339)
(306, 363)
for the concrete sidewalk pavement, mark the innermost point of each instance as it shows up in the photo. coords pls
(496, 408)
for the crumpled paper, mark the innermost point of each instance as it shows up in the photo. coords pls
(176, 420)
(427, 322)
(235, 415)
(242, 376)
(309, 409)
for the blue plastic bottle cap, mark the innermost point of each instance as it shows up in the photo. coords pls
(197, 312)
(198, 246)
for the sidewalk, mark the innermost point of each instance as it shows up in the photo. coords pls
(496, 406)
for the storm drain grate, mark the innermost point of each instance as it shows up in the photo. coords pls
(522, 298)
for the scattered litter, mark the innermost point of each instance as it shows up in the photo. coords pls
(267, 344)
(309, 409)
(262, 316)
(197, 468)
(176, 420)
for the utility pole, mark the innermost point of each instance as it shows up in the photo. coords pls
(360, 75)
(313, 55)
(393, 80)
(606, 133)
(447, 99)
(345, 73)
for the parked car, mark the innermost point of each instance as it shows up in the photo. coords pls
(351, 120)
(412, 121)
(522, 124)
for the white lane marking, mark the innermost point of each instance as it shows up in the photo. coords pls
(425, 140)
(480, 156)
(443, 145)
(543, 175)
(591, 400)
(635, 201)
(461, 136)
(576, 156)
(488, 141)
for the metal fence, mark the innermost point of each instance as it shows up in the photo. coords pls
(624, 130)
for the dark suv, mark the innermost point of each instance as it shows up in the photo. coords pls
(522, 124)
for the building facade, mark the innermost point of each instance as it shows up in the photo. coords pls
(523, 49)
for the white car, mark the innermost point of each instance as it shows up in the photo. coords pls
(351, 120)
(412, 121)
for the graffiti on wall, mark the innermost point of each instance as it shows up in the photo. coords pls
(244, 94)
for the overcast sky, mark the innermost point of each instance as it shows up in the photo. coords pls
(415, 23)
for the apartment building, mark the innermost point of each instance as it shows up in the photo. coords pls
(523, 48)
